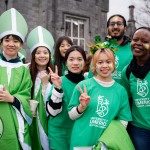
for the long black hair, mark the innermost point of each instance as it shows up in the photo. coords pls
(75, 48)
(58, 59)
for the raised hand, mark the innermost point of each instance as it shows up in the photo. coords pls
(84, 99)
(55, 78)
(44, 77)
(5, 96)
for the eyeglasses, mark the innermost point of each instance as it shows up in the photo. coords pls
(117, 23)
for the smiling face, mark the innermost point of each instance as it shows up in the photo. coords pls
(42, 57)
(104, 67)
(141, 43)
(103, 64)
(10, 46)
(64, 47)
(75, 62)
(116, 28)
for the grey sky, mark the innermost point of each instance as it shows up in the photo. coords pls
(119, 7)
(122, 7)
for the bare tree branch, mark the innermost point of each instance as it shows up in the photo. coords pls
(142, 13)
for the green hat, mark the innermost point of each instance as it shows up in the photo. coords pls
(12, 22)
(39, 36)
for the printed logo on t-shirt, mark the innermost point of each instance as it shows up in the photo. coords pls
(102, 110)
(142, 91)
(142, 87)
(1, 128)
(116, 61)
(102, 107)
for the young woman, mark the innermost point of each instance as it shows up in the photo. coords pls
(95, 102)
(15, 115)
(40, 43)
(61, 47)
(59, 124)
(138, 85)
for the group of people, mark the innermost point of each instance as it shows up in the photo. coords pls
(74, 111)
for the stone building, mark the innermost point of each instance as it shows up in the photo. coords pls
(79, 19)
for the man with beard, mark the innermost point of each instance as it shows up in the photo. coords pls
(116, 26)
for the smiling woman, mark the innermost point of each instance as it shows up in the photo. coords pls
(40, 43)
(75, 62)
(137, 85)
(62, 45)
(42, 57)
(59, 124)
(95, 102)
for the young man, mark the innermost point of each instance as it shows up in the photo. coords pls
(15, 115)
(116, 26)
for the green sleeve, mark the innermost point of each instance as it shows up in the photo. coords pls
(23, 94)
(74, 98)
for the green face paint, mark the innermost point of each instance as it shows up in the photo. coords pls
(81, 65)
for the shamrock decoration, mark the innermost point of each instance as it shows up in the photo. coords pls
(109, 43)
(97, 39)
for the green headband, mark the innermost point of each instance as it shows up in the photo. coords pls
(109, 43)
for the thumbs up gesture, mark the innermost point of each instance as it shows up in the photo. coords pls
(5, 96)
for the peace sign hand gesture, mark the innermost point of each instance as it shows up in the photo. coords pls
(84, 99)
(55, 78)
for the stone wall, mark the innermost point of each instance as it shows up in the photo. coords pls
(50, 14)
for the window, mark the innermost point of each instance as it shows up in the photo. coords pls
(75, 29)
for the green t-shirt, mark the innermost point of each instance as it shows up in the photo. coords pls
(106, 104)
(140, 91)
(122, 58)
(60, 126)
(62, 120)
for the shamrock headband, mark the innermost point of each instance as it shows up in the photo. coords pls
(109, 43)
